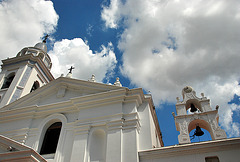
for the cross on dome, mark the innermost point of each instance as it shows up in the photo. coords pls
(45, 38)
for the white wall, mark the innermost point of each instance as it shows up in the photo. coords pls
(227, 150)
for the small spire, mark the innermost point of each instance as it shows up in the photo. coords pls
(92, 79)
(69, 75)
(177, 98)
(117, 82)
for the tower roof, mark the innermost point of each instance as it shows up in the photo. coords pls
(39, 50)
(42, 46)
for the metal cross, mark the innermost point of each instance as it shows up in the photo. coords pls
(45, 38)
(71, 68)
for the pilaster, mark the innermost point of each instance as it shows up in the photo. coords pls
(114, 141)
(79, 148)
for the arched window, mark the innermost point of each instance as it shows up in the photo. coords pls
(97, 148)
(8, 80)
(50, 141)
(35, 86)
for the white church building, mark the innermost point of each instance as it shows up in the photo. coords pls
(71, 120)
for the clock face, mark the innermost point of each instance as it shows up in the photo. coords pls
(187, 89)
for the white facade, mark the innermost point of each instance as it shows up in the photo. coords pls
(84, 121)
(94, 117)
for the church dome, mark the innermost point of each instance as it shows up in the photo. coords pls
(42, 46)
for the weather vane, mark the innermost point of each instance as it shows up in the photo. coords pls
(71, 68)
(45, 38)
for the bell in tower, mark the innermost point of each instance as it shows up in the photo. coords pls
(193, 108)
(206, 118)
(198, 131)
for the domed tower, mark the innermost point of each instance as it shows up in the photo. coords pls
(26, 72)
(200, 116)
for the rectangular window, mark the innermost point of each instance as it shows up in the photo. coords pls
(212, 159)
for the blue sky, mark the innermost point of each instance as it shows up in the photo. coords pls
(158, 45)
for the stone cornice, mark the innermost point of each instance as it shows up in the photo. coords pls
(193, 148)
(74, 83)
(27, 58)
(196, 114)
(201, 100)
(49, 88)
(20, 151)
(74, 104)
(17, 114)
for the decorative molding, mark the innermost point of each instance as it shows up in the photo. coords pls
(190, 149)
(61, 91)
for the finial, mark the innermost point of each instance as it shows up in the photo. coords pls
(217, 107)
(69, 75)
(92, 79)
(187, 89)
(45, 38)
(177, 98)
(202, 94)
(117, 82)
(71, 68)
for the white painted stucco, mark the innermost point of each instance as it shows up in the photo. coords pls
(100, 123)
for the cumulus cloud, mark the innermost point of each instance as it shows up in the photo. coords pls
(77, 53)
(170, 44)
(23, 23)
(110, 14)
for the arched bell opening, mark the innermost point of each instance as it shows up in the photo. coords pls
(200, 129)
(8, 80)
(205, 137)
(41, 55)
(194, 106)
(35, 86)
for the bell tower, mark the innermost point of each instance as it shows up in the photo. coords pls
(26, 72)
(200, 116)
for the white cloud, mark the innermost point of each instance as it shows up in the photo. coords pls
(170, 44)
(23, 23)
(77, 53)
(110, 14)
